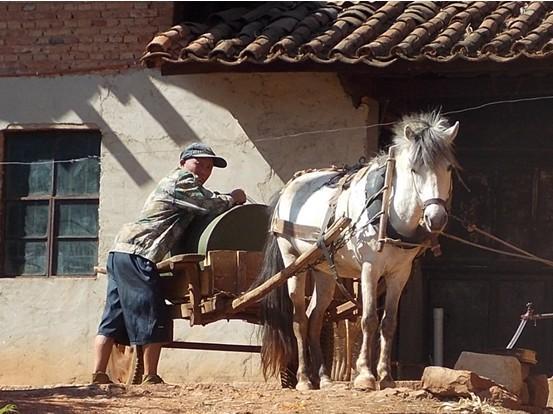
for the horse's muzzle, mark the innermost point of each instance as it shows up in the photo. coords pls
(435, 215)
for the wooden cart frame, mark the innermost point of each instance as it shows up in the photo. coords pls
(209, 293)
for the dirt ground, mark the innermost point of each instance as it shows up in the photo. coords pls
(219, 398)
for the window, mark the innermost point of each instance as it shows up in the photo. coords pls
(51, 188)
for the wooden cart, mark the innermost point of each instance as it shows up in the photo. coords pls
(215, 286)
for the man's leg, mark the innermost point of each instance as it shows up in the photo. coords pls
(152, 353)
(102, 350)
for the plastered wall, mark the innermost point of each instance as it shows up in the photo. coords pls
(267, 125)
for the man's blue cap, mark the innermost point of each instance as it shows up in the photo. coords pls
(199, 150)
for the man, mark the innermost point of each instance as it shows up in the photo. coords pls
(135, 311)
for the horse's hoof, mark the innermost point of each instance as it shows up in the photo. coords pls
(325, 383)
(387, 383)
(365, 383)
(304, 386)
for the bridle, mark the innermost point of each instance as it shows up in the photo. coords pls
(430, 201)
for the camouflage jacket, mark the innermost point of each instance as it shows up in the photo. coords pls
(177, 199)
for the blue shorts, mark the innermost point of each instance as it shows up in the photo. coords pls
(135, 311)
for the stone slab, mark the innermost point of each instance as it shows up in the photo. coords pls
(504, 370)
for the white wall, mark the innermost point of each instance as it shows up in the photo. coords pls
(47, 325)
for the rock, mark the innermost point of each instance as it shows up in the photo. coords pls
(446, 382)
(420, 395)
(504, 370)
(498, 395)
(538, 390)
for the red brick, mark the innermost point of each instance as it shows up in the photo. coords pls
(83, 23)
(39, 56)
(84, 6)
(42, 24)
(127, 22)
(10, 58)
(97, 56)
(71, 23)
(130, 39)
(85, 31)
(81, 47)
(80, 55)
(29, 7)
(112, 14)
(15, 7)
(3, 25)
(99, 5)
(120, 5)
(99, 22)
(144, 13)
(112, 22)
(142, 5)
(87, 14)
(113, 30)
(29, 25)
(100, 39)
(14, 25)
(127, 55)
(56, 23)
(64, 15)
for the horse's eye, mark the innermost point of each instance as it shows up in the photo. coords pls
(450, 167)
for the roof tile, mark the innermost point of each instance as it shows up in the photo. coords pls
(375, 33)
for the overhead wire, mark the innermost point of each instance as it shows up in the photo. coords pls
(299, 134)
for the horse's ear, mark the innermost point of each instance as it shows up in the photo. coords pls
(409, 133)
(452, 131)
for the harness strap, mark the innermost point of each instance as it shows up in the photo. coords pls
(332, 265)
(298, 231)
(438, 201)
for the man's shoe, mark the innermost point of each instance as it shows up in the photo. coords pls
(101, 378)
(152, 379)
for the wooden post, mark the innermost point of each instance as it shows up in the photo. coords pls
(390, 167)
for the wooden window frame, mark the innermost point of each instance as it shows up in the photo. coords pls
(54, 201)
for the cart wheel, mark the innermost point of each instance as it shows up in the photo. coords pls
(126, 364)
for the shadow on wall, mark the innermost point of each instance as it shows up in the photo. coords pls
(50, 103)
(295, 121)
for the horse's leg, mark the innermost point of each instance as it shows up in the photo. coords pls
(296, 290)
(322, 296)
(369, 324)
(394, 287)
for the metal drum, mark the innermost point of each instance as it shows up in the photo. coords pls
(240, 228)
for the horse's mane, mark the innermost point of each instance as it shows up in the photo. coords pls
(431, 147)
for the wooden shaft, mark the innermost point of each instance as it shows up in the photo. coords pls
(280, 278)
(390, 166)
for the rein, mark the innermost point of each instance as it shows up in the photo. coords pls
(429, 240)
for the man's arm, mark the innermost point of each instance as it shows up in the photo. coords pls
(191, 194)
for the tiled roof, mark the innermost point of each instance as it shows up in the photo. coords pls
(373, 33)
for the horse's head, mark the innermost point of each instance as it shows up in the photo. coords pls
(425, 144)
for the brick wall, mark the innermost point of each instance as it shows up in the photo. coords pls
(50, 38)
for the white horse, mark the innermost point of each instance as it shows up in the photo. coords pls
(421, 186)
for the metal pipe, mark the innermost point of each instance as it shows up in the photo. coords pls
(438, 336)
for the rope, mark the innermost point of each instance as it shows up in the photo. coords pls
(480, 246)
(522, 254)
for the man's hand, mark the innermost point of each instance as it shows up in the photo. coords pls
(238, 196)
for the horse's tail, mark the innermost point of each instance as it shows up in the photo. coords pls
(278, 346)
